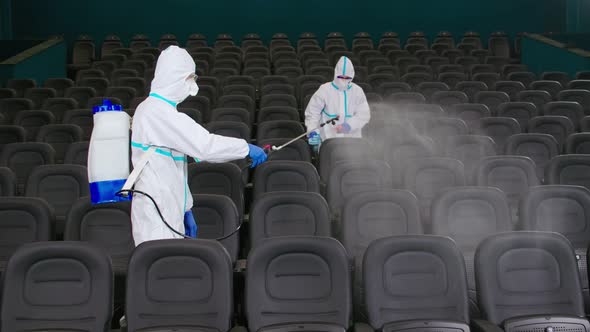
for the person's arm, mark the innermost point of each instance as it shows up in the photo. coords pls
(178, 131)
(362, 111)
(313, 112)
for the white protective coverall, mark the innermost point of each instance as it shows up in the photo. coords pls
(333, 99)
(157, 123)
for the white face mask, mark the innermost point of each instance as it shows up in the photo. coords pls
(193, 88)
(343, 84)
(189, 88)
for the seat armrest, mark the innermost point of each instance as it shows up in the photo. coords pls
(238, 329)
(480, 325)
(425, 326)
(547, 323)
(123, 324)
(303, 327)
(362, 327)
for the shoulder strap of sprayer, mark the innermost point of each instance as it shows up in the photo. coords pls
(138, 168)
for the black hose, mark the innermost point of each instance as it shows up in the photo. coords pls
(133, 191)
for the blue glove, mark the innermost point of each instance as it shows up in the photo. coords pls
(314, 138)
(257, 155)
(343, 128)
(190, 225)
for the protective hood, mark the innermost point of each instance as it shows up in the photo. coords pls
(344, 67)
(174, 66)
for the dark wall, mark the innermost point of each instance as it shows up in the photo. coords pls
(578, 16)
(39, 18)
(5, 19)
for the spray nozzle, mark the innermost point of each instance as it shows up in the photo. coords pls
(267, 148)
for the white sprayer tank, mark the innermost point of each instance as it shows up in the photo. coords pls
(108, 154)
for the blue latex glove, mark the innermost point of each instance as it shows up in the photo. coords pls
(314, 138)
(257, 155)
(343, 128)
(190, 225)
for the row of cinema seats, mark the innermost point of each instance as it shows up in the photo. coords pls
(508, 78)
(359, 206)
(84, 50)
(525, 280)
(222, 62)
(470, 160)
(279, 100)
(572, 104)
(110, 44)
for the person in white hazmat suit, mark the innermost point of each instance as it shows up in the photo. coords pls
(340, 98)
(174, 135)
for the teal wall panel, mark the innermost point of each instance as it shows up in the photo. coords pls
(546, 55)
(40, 62)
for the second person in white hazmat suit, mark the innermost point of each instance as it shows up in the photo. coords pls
(157, 123)
(340, 98)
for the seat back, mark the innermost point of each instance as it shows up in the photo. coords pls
(526, 274)
(23, 220)
(541, 148)
(347, 178)
(570, 109)
(523, 112)
(342, 149)
(32, 121)
(578, 144)
(499, 129)
(77, 154)
(217, 216)
(514, 175)
(408, 148)
(277, 176)
(395, 276)
(61, 186)
(57, 286)
(563, 209)
(569, 169)
(470, 149)
(471, 113)
(560, 127)
(59, 136)
(279, 129)
(22, 158)
(468, 215)
(302, 280)
(426, 177)
(217, 179)
(230, 128)
(289, 214)
(106, 226)
(180, 285)
(7, 182)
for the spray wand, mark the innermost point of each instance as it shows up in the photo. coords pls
(278, 148)
(270, 149)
